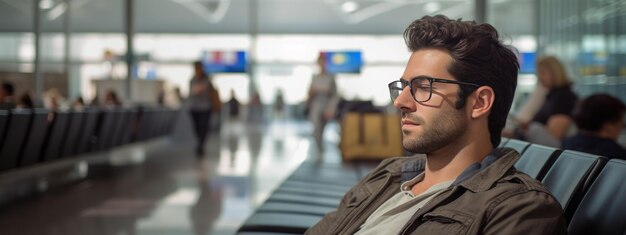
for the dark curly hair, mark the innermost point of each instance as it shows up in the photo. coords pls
(478, 56)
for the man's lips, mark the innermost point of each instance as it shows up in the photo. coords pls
(408, 122)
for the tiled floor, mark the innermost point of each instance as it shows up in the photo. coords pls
(160, 187)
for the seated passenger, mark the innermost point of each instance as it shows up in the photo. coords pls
(25, 102)
(454, 98)
(552, 122)
(600, 119)
(111, 100)
(6, 96)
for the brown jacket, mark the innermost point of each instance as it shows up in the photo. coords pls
(490, 197)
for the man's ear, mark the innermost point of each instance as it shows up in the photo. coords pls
(482, 101)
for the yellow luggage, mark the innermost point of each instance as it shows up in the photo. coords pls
(370, 136)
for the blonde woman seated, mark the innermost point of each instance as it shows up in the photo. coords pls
(551, 123)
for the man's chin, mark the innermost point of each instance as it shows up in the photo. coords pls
(410, 146)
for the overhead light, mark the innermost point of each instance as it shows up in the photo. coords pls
(349, 6)
(46, 4)
(57, 11)
(432, 7)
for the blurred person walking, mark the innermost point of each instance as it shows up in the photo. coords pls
(322, 101)
(233, 106)
(201, 103)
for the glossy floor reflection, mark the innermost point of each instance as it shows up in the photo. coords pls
(160, 187)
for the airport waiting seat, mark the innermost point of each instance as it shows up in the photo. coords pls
(123, 134)
(146, 118)
(603, 208)
(4, 120)
(19, 123)
(37, 138)
(56, 139)
(74, 129)
(518, 145)
(109, 125)
(86, 137)
(173, 115)
(325, 173)
(279, 223)
(162, 119)
(503, 141)
(120, 119)
(306, 191)
(265, 233)
(305, 199)
(325, 179)
(310, 192)
(294, 208)
(571, 176)
(536, 160)
(315, 186)
(153, 123)
(104, 130)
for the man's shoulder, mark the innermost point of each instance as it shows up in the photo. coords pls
(517, 182)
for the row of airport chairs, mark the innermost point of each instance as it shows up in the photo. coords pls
(309, 193)
(29, 137)
(590, 188)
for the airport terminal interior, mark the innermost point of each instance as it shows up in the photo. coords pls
(99, 108)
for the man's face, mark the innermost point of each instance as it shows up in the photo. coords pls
(434, 124)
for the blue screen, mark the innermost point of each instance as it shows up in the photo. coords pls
(224, 62)
(527, 62)
(343, 62)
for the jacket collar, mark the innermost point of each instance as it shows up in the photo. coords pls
(477, 177)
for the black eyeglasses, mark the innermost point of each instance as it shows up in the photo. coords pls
(421, 87)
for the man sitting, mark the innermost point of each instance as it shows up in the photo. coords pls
(454, 97)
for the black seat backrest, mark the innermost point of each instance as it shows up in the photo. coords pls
(73, 133)
(4, 120)
(161, 122)
(571, 176)
(536, 160)
(173, 116)
(37, 138)
(156, 123)
(56, 139)
(603, 208)
(163, 117)
(19, 123)
(120, 119)
(123, 134)
(106, 126)
(518, 145)
(146, 127)
(86, 135)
